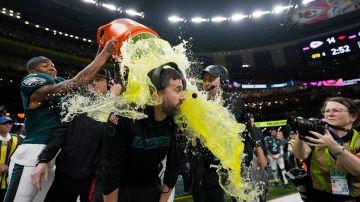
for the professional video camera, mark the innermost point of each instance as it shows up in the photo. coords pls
(305, 125)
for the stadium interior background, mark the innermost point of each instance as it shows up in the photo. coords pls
(265, 50)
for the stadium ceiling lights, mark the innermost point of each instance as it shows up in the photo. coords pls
(11, 13)
(257, 14)
(238, 17)
(307, 1)
(90, 1)
(113, 7)
(279, 9)
(109, 6)
(176, 19)
(218, 19)
(134, 13)
(199, 20)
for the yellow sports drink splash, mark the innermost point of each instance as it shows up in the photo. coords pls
(218, 130)
(207, 120)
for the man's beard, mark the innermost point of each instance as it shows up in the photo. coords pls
(170, 110)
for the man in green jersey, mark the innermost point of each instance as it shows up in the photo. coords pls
(41, 92)
(275, 154)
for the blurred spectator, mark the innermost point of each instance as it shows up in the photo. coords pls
(2, 110)
(185, 173)
(259, 136)
(275, 154)
(259, 174)
(196, 165)
(284, 143)
(292, 162)
(9, 143)
(22, 132)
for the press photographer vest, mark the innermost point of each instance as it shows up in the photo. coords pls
(322, 162)
(6, 150)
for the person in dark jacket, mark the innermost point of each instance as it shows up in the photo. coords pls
(259, 173)
(80, 142)
(206, 186)
(133, 149)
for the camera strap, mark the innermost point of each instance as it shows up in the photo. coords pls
(335, 136)
(339, 128)
(355, 135)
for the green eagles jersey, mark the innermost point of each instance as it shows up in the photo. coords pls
(273, 145)
(41, 122)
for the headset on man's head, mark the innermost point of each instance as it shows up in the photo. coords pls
(155, 75)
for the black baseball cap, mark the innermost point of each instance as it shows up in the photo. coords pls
(33, 62)
(214, 70)
(104, 73)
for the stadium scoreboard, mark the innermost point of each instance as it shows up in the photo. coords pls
(332, 45)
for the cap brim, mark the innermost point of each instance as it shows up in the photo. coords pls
(7, 120)
(100, 76)
(209, 73)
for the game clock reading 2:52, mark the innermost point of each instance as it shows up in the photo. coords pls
(334, 45)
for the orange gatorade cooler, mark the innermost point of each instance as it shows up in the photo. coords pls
(123, 29)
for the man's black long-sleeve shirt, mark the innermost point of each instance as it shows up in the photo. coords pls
(80, 141)
(133, 150)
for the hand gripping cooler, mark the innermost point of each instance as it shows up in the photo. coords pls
(123, 29)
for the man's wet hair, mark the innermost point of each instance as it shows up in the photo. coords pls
(168, 74)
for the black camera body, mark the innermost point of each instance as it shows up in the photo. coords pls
(305, 125)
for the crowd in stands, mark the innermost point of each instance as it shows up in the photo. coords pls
(15, 29)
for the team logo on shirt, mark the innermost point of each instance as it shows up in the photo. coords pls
(33, 81)
(151, 143)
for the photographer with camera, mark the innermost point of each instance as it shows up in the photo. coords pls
(332, 150)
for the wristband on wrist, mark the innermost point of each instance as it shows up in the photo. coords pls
(42, 161)
(340, 152)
